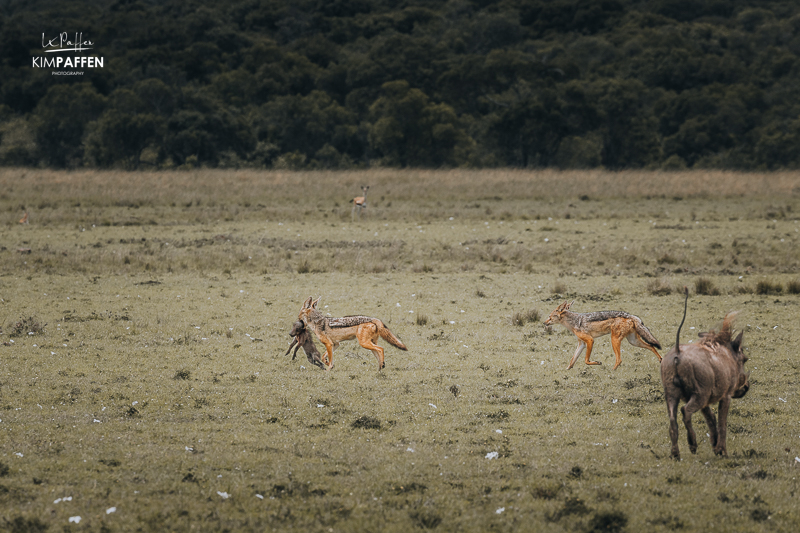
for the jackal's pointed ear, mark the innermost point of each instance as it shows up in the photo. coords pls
(568, 305)
(307, 303)
(315, 303)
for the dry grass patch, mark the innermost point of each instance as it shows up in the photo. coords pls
(139, 395)
(793, 287)
(769, 287)
(659, 287)
(705, 287)
(520, 318)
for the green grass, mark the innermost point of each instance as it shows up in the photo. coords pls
(158, 385)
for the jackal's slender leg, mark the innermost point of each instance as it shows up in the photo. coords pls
(616, 342)
(589, 341)
(652, 349)
(637, 341)
(328, 353)
(367, 335)
(374, 348)
(578, 350)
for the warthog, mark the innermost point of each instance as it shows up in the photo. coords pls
(302, 338)
(710, 371)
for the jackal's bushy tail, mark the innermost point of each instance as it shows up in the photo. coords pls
(387, 335)
(646, 336)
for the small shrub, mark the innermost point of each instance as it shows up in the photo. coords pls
(421, 320)
(182, 374)
(705, 287)
(546, 492)
(793, 287)
(768, 287)
(455, 390)
(426, 519)
(520, 318)
(27, 525)
(366, 422)
(304, 267)
(27, 326)
(659, 287)
(608, 522)
(572, 506)
(406, 488)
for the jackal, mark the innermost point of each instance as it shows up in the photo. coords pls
(332, 331)
(587, 326)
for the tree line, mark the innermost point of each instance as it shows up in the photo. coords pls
(332, 84)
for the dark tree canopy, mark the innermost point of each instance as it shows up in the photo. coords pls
(423, 83)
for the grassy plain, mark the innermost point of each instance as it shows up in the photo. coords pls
(154, 382)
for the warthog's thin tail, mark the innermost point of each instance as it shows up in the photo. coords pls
(678, 335)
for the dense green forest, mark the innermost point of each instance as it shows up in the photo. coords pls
(354, 83)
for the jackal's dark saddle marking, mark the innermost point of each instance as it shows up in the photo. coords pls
(348, 321)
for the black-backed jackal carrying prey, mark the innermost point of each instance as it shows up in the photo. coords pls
(332, 331)
(588, 326)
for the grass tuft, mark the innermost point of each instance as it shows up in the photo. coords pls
(421, 320)
(793, 287)
(548, 492)
(520, 318)
(559, 288)
(366, 422)
(659, 287)
(768, 287)
(27, 326)
(705, 287)
(608, 522)
(182, 374)
(21, 524)
(304, 267)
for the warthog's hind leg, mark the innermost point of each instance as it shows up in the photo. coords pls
(711, 421)
(672, 410)
(691, 438)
